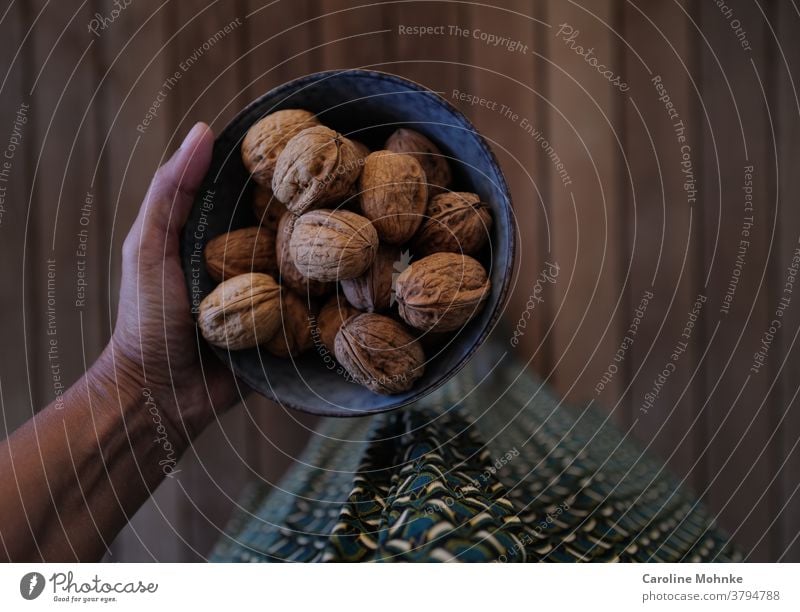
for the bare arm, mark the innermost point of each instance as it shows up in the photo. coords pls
(74, 474)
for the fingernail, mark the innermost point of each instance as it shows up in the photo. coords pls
(196, 130)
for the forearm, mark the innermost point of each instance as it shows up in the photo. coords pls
(75, 473)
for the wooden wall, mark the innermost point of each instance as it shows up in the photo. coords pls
(623, 228)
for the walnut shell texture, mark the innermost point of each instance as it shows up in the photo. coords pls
(289, 274)
(351, 200)
(361, 148)
(330, 245)
(441, 292)
(251, 249)
(372, 291)
(394, 195)
(266, 139)
(294, 334)
(331, 316)
(241, 312)
(457, 222)
(437, 170)
(379, 353)
(267, 208)
(317, 167)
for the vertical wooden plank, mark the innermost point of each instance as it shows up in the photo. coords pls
(62, 77)
(787, 82)
(433, 60)
(276, 48)
(16, 141)
(737, 235)
(508, 76)
(353, 36)
(133, 71)
(62, 319)
(206, 51)
(585, 193)
(91, 297)
(663, 231)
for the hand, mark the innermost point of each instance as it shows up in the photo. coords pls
(107, 426)
(155, 344)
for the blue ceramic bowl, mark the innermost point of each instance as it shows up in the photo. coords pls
(367, 106)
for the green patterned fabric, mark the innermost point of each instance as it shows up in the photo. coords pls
(489, 468)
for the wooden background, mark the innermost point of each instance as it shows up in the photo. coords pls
(624, 226)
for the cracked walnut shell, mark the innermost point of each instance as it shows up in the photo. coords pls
(317, 167)
(241, 312)
(394, 194)
(379, 353)
(442, 292)
(330, 245)
(266, 139)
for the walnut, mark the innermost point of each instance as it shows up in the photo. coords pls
(393, 194)
(289, 274)
(457, 222)
(437, 170)
(379, 353)
(351, 200)
(294, 334)
(267, 208)
(330, 245)
(317, 167)
(241, 312)
(266, 139)
(361, 148)
(372, 291)
(441, 292)
(336, 311)
(251, 249)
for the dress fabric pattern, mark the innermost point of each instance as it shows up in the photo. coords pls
(491, 467)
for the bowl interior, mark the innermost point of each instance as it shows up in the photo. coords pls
(366, 106)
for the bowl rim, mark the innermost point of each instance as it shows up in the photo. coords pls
(290, 87)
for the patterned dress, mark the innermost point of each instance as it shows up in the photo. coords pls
(489, 468)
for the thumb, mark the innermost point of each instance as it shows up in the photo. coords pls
(171, 193)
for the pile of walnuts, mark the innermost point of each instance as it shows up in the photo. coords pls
(321, 268)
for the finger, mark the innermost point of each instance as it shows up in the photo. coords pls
(174, 186)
